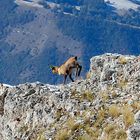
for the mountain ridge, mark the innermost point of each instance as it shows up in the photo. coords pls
(103, 106)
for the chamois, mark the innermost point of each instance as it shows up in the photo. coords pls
(66, 68)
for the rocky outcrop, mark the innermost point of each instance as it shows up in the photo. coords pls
(134, 131)
(103, 106)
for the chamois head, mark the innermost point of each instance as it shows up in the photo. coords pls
(54, 69)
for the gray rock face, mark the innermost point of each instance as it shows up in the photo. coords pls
(134, 131)
(137, 117)
(36, 111)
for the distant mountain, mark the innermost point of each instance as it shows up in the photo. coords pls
(35, 34)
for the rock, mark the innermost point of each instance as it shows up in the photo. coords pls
(134, 132)
(42, 111)
(137, 117)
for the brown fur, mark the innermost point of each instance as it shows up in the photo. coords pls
(66, 68)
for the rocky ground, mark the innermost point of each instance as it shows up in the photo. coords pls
(104, 106)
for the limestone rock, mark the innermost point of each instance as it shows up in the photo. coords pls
(106, 101)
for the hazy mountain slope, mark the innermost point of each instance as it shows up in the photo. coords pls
(37, 34)
(36, 45)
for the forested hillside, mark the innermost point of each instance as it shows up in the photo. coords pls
(37, 34)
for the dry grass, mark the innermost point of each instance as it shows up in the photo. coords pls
(136, 106)
(91, 131)
(88, 75)
(122, 60)
(122, 83)
(110, 129)
(104, 96)
(128, 116)
(114, 95)
(63, 134)
(68, 129)
(86, 95)
(86, 137)
(72, 125)
(87, 129)
(100, 119)
(110, 132)
(74, 94)
(23, 128)
(59, 113)
(121, 135)
(114, 111)
(41, 136)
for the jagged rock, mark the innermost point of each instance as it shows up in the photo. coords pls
(37, 111)
(137, 117)
(134, 131)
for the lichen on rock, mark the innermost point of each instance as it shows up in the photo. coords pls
(104, 106)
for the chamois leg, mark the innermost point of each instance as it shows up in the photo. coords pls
(65, 77)
(71, 78)
(76, 72)
(80, 68)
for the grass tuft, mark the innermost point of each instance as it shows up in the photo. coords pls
(128, 116)
(122, 60)
(88, 96)
(114, 111)
(62, 135)
(121, 135)
(110, 129)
